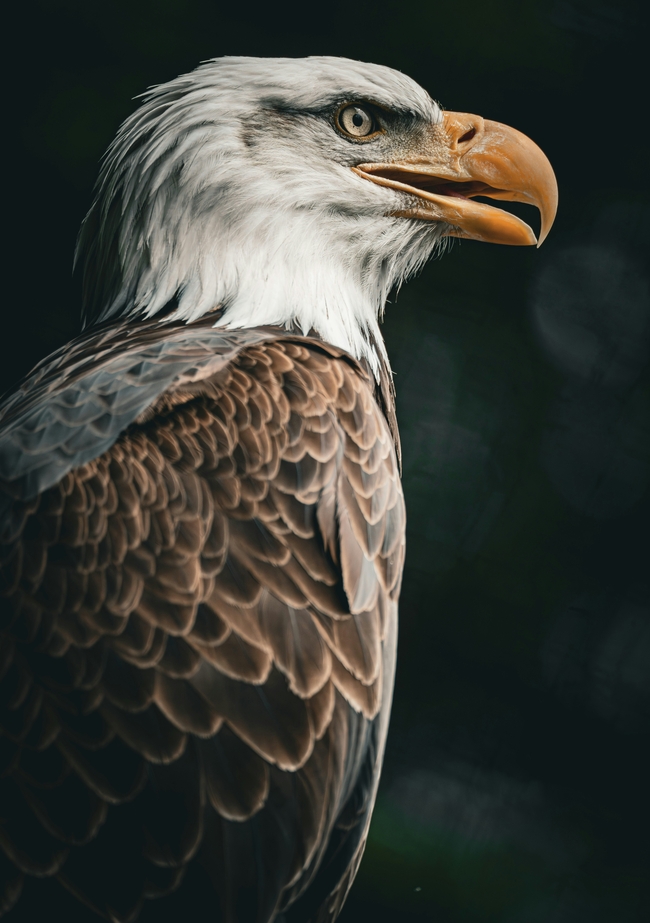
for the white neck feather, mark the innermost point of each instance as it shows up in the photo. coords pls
(302, 272)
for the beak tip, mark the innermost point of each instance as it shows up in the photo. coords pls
(543, 234)
(549, 212)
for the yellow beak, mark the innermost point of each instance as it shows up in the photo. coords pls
(465, 157)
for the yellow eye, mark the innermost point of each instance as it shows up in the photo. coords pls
(356, 122)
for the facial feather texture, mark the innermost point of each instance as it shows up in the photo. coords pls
(230, 187)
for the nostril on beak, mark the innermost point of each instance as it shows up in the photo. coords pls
(467, 136)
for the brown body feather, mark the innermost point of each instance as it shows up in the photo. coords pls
(198, 640)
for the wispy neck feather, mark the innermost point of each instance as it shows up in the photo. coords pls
(205, 199)
(305, 274)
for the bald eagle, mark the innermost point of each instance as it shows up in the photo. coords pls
(202, 524)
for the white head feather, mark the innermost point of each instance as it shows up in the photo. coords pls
(231, 187)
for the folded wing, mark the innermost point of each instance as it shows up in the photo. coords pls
(198, 622)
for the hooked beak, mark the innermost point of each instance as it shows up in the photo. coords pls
(466, 157)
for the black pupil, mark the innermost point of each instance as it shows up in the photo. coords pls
(357, 119)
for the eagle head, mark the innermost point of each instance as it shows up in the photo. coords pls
(295, 192)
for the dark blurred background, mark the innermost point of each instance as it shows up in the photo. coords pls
(516, 786)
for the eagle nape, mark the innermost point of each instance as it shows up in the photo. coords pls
(202, 525)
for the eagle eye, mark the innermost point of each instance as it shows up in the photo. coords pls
(356, 121)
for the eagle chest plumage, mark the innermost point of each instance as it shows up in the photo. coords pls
(201, 555)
